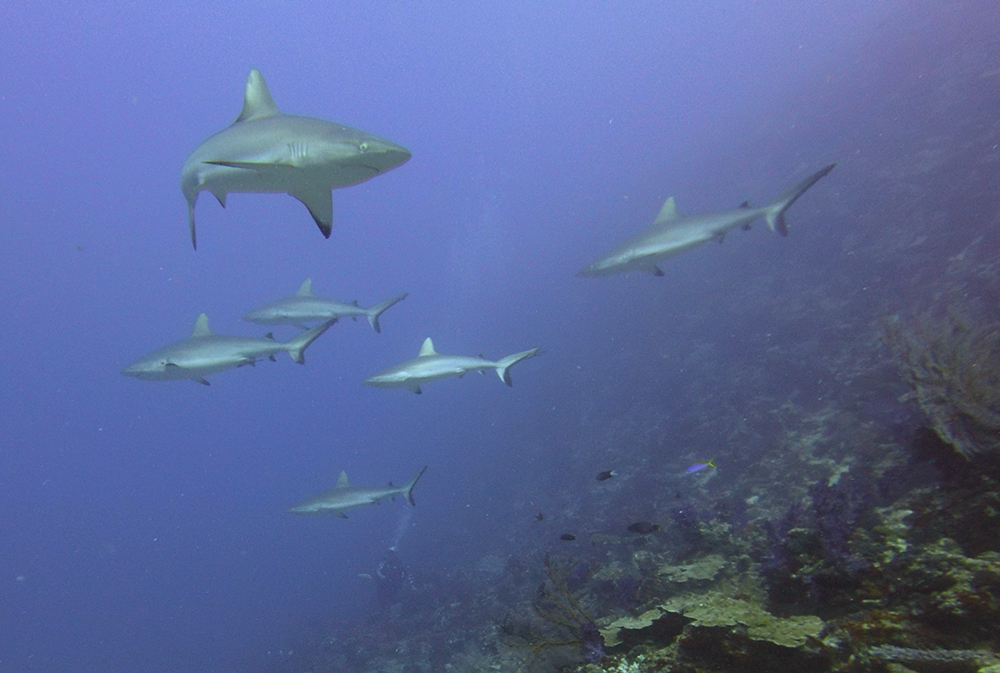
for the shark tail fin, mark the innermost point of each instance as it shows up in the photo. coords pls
(407, 488)
(775, 212)
(297, 347)
(506, 363)
(378, 309)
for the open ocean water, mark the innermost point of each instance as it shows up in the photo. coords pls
(143, 524)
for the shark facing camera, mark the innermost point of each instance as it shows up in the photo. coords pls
(267, 151)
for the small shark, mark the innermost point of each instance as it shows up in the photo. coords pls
(305, 307)
(672, 233)
(205, 352)
(429, 366)
(344, 496)
(267, 151)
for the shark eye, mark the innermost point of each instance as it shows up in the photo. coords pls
(363, 146)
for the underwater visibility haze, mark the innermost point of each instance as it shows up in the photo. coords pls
(760, 433)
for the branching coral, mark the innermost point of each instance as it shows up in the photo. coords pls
(569, 625)
(953, 365)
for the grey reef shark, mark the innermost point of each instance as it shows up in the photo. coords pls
(304, 307)
(345, 496)
(672, 233)
(267, 151)
(429, 365)
(205, 352)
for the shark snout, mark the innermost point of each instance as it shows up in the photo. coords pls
(383, 155)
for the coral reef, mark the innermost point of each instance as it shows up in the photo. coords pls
(953, 365)
(848, 553)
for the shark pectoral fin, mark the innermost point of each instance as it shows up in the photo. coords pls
(320, 204)
(721, 237)
(341, 515)
(203, 381)
(271, 358)
(747, 227)
(258, 166)
(417, 390)
(194, 237)
(657, 271)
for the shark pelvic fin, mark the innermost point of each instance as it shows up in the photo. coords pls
(427, 348)
(668, 211)
(201, 328)
(305, 290)
(320, 205)
(257, 101)
(657, 271)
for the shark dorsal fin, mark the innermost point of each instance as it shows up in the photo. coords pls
(201, 328)
(306, 289)
(668, 211)
(257, 101)
(427, 348)
(342, 481)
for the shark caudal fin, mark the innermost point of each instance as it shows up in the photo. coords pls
(506, 363)
(407, 488)
(378, 309)
(297, 347)
(775, 215)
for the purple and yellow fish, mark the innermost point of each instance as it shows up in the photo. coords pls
(698, 467)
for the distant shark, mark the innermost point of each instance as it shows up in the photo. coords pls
(344, 496)
(672, 233)
(429, 365)
(205, 352)
(305, 307)
(267, 151)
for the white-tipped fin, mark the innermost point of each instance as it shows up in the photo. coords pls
(201, 328)
(305, 290)
(668, 211)
(427, 348)
(342, 481)
(257, 101)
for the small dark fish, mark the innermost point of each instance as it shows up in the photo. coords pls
(698, 467)
(540, 516)
(567, 537)
(643, 527)
(607, 474)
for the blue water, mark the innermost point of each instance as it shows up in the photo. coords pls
(142, 524)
